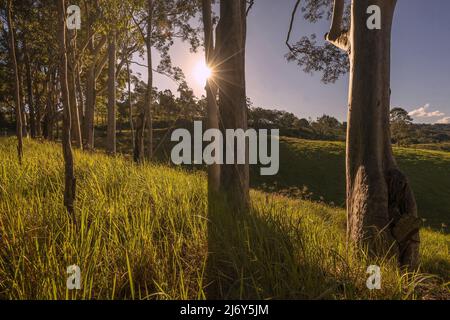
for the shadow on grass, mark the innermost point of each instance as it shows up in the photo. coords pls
(254, 255)
(437, 266)
(317, 173)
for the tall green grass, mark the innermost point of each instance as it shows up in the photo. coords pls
(144, 233)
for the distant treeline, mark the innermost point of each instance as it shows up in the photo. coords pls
(179, 111)
(326, 127)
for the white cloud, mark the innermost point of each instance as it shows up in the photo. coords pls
(445, 120)
(423, 112)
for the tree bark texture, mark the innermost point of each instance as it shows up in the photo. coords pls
(234, 178)
(70, 183)
(211, 91)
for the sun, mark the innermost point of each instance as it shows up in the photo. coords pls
(202, 73)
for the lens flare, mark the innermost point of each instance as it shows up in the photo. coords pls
(202, 73)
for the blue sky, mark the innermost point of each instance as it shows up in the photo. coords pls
(420, 63)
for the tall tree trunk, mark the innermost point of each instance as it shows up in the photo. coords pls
(130, 104)
(381, 207)
(93, 72)
(148, 96)
(144, 118)
(211, 91)
(234, 179)
(70, 183)
(30, 97)
(111, 131)
(88, 132)
(75, 126)
(49, 119)
(12, 53)
(23, 115)
(47, 111)
(80, 95)
(38, 108)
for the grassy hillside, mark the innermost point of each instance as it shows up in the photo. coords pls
(143, 233)
(316, 169)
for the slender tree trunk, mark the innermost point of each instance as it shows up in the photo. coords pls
(89, 113)
(39, 108)
(130, 104)
(49, 132)
(47, 94)
(381, 207)
(30, 97)
(111, 131)
(211, 92)
(70, 183)
(12, 53)
(22, 101)
(144, 118)
(93, 72)
(234, 179)
(75, 126)
(148, 97)
(80, 95)
(138, 151)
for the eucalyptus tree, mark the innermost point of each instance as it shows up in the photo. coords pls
(160, 23)
(72, 69)
(13, 59)
(35, 52)
(112, 14)
(230, 72)
(94, 61)
(381, 209)
(211, 88)
(70, 182)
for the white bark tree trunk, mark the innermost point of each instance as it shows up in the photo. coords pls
(69, 190)
(111, 131)
(381, 209)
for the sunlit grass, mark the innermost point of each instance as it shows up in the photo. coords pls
(143, 233)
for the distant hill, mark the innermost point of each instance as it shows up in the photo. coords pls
(316, 170)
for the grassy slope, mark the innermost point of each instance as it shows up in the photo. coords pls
(320, 166)
(143, 233)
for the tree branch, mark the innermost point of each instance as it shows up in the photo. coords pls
(337, 36)
(291, 24)
(250, 6)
